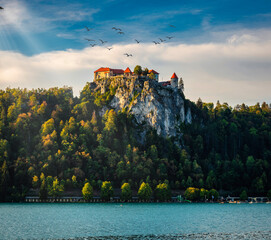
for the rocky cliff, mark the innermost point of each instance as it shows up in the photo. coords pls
(161, 107)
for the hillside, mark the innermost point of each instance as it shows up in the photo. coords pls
(130, 131)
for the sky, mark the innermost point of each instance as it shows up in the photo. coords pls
(221, 49)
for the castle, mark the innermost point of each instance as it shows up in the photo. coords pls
(109, 72)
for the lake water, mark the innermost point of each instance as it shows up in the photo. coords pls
(134, 221)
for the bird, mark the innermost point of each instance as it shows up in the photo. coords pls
(137, 41)
(114, 28)
(92, 45)
(102, 41)
(118, 29)
(1, 8)
(172, 26)
(109, 48)
(169, 37)
(162, 40)
(121, 32)
(156, 42)
(89, 39)
(88, 29)
(128, 55)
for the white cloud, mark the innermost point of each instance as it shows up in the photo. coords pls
(235, 71)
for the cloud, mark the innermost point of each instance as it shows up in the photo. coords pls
(21, 16)
(235, 71)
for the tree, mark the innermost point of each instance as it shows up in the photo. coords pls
(181, 84)
(126, 192)
(87, 191)
(145, 72)
(145, 191)
(56, 188)
(203, 194)
(213, 194)
(192, 193)
(74, 181)
(43, 193)
(269, 195)
(152, 76)
(162, 192)
(107, 191)
(138, 70)
(35, 181)
(243, 195)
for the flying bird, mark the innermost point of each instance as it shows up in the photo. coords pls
(162, 40)
(121, 32)
(102, 41)
(109, 48)
(137, 41)
(128, 55)
(114, 28)
(89, 39)
(169, 37)
(118, 29)
(156, 42)
(1, 8)
(92, 45)
(172, 26)
(88, 29)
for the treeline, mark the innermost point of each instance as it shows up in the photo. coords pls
(51, 134)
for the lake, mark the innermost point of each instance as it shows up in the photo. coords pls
(134, 221)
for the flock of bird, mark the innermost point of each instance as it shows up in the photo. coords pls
(119, 31)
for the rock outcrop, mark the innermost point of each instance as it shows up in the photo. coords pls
(161, 107)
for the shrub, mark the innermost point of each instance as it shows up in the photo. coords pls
(107, 190)
(87, 191)
(145, 191)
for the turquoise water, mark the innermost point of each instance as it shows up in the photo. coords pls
(133, 221)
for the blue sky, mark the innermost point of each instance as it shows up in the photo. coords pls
(217, 45)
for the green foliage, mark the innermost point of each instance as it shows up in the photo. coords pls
(192, 194)
(126, 192)
(213, 194)
(50, 132)
(87, 191)
(107, 191)
(138, 70)
(162, 192)
(43, 193)
(243, 195)
(152, 75)
(56, 188)
(145, 72)
(144, 191)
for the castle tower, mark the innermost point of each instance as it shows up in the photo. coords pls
(174, 80)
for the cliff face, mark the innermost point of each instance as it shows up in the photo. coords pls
(160, 107)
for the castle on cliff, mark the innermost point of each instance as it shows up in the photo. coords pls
(105, 72)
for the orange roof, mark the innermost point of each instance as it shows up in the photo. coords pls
(150, 71)
(174, 75)
(128, 70)
(102, 69)
(115, 71)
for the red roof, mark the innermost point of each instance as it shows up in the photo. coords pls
(150, 71)
(115, 71)
(128, 70)
(102, 69)
(174, 75)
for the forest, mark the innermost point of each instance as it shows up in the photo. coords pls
(52, 135)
